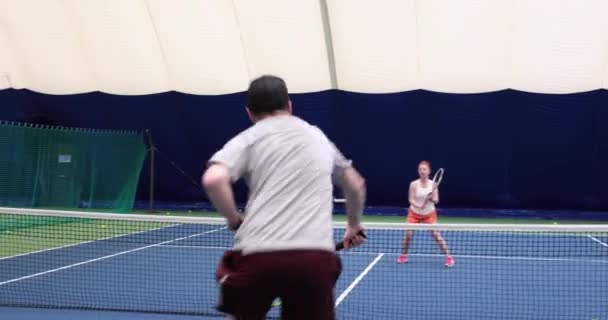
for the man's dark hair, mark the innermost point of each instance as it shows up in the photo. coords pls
(267, 94)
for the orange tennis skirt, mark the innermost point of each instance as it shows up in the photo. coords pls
(413, 217)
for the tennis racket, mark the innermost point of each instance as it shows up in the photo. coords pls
(437, 178)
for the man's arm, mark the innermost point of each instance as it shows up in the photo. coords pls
(218, 184)
(225, 167)
(353, 186)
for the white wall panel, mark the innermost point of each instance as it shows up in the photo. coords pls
(217, 46)
(201, 41)
(463, 45)
(375, 44)
(7, 66)
(285, 38)
(559, 46)
(120, 45)
(45, 52)
(606, 75)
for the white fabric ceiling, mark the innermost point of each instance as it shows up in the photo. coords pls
(216, 46)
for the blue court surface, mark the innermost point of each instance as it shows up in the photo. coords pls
(498, 275)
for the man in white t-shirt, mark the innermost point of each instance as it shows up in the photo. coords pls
(284, 243)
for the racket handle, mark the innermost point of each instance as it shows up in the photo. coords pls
(340, 245)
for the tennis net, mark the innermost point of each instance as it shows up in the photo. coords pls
(166, 264)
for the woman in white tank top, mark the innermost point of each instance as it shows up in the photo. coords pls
(422, 201)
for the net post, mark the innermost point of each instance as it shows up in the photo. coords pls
(152, 150)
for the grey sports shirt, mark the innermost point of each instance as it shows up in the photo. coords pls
(288, 166)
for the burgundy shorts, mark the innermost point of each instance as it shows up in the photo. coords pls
(303, 279)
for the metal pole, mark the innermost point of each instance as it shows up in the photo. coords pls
(152, 150)
(329, 44)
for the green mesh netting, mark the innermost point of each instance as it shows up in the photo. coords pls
(56, 167)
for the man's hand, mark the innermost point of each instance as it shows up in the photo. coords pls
(353, 236)
(235, 222)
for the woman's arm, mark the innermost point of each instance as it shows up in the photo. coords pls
(435, 196)
(411, 196)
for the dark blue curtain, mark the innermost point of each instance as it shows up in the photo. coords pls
(505, 149)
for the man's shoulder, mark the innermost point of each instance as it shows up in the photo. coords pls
(279, 125)
(285, 123)
(242, 139)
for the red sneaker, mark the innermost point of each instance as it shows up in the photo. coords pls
(402, 258)
(449, 261)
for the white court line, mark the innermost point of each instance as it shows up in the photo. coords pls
(358, 279)
(108, 256)
(424, 255)
(469, 256)
(597, 240)
(195, 247)
(85, 242)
